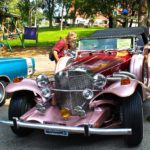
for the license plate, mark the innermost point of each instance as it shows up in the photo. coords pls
(56, 132)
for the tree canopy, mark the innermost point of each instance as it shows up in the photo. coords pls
(28, 9)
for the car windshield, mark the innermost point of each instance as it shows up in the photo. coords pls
(105, 44)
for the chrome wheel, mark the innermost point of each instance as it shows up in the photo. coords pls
(2, 92)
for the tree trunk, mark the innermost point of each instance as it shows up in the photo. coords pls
(110, 18)
(50, 11)
(62, 16)
(143, 13)
(29, 17)
(74, 19)
(50, 21)
(132, 14)
(149, 10)
(35, 17)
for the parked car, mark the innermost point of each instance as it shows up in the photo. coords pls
(11, 68)
(99, 91)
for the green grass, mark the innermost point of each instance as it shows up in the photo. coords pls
(48, 36)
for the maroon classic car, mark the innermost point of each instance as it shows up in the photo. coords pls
(97, 91)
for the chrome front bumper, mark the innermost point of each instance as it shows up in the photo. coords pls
(84, 130)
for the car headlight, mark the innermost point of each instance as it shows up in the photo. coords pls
(42, 80)
(88, 94)
(99, 80)
(46, 92)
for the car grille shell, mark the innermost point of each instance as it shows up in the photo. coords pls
(72, 80)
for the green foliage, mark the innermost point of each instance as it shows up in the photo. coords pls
(39, 17)
(86, 8)
(4, 6)
(12, 6)
(67, 4)
(4, 2)
(29, 10)
(91, 7)
(24, 7)
(48, 8)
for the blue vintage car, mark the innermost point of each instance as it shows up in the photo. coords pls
(11, 68)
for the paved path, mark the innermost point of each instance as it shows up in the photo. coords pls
(44, 65)
(38, 141)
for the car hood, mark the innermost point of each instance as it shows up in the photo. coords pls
(101, 63)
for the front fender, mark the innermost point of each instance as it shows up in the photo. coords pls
(121, 90)
(62, 63)
(25, 84)
(136, 66)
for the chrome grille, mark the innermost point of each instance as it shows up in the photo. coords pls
(71, 80)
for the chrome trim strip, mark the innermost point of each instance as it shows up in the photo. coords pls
(29, 63)
(98, 131)
(119, 75)
(10, 123)
(128, 73)
(63, 90)
(114, 78)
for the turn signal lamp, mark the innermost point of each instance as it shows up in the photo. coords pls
(125, 81)
(65, 113)
(16, 80)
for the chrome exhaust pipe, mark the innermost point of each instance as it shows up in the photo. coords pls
(128, 74)
(114, 78)
(70, 129)
(121, 74)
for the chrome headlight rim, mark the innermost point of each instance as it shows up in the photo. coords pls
(46, 92)
(99, 80)
(88, 94)
(42, 80)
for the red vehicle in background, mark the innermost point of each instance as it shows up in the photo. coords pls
(98, 91)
